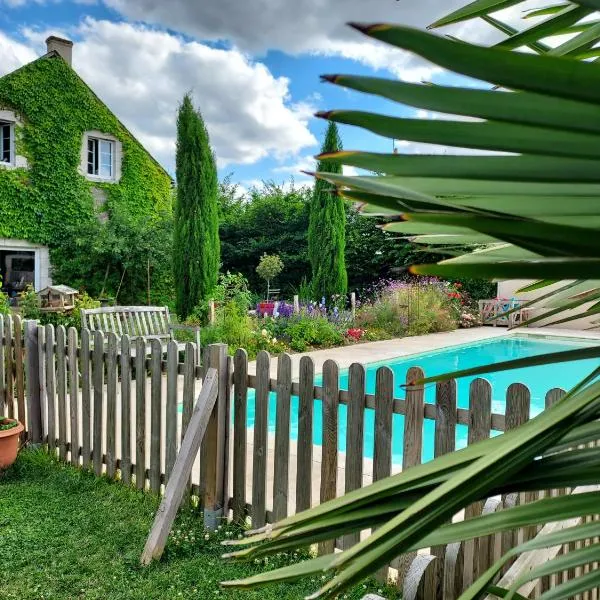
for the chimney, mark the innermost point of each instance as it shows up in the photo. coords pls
(62, 46)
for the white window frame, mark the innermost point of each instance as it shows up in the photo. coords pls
(116, 151)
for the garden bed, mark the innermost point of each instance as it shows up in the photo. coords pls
(67, 534)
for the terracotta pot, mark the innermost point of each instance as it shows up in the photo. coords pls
(9, 445)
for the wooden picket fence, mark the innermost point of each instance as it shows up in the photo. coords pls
(122, 410)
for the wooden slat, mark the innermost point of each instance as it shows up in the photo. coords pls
(305, 434)
(51, 387)
(111, 404)
(552, 397)
(489, 547)
(261, 423)
(517, 413)
(140, 414)
(382, 453)
(413, 419)
(139, 325)
(355, 437)
(131, 322)
(175, 489)
(112, 323)
(86, 398)
(3, 339)
(445, 438)
(74, 393)
(240, 427)
(480, 407)
(171, 412)
(33, 398)
(454, 566)
(98, 381)
(126, 410)
(213, 455)
(9, 368)
(421, 579)
(189, 379)
(282, 437)
(329, 447)
(155, 414)
(41, 334)
(20, 370)
(118, 318)
(61, 389)
(106, 310)
(412, 447)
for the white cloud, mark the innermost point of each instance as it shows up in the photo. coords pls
(14, 54)
(247, 110)
(142, 74)
(302, 26)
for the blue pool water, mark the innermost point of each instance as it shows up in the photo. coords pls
(538, 379)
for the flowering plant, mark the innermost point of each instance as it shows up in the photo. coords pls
(355, 333)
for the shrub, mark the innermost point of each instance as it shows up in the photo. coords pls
(233, 287)
(4, 301)
(406, 308)
(29, 304)
(304, 332)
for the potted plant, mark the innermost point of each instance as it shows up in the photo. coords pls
(268, 268)
(10, 430)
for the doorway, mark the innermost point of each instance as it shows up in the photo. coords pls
(17, 269)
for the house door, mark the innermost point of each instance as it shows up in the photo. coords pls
(18, 270)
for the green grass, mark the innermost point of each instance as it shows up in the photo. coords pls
(65, 534)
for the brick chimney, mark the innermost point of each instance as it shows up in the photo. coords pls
(62, 46)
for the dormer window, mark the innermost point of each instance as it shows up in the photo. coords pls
(7, 143)
(101, 156)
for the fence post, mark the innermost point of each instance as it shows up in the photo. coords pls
(211, 312)
(215, 443)
(296, 304)
(353, 304)
(32, 361)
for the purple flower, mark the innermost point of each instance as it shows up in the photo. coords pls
(285, 310)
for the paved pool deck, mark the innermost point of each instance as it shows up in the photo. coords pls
(371, 352)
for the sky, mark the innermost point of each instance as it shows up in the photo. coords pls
(252, 67)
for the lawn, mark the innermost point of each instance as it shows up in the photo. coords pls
(65, 534)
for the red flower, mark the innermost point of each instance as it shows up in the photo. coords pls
(355, 333)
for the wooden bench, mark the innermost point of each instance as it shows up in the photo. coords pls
(148, 322)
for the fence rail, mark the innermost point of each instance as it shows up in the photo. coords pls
(273, 446)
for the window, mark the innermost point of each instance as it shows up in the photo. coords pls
(101, 158)
(6, 143)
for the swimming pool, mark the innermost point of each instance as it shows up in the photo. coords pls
(538, 379)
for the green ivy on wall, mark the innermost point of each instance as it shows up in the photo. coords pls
(48, 201)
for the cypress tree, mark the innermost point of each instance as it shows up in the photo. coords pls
(196, 246)
(327, 228)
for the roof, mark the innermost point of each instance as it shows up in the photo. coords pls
(59, 289)
(54, 54)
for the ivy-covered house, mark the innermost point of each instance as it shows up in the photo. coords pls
(66, 162)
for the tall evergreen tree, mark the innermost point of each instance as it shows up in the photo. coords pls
(196, 246)
(327, 228)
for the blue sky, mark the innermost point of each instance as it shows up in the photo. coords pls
(253, 68)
